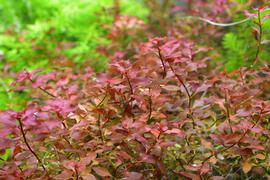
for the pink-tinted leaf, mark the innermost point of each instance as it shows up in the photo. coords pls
(42, 80)
(63, 175)
(23, 76)
(124, 155)
(189, 175)
(248, 14)
(51, 124)
(266, 17)
(102, 171)
(205, 168)
(176, 131)
(89, 177)
(134, 176)
(217, 178)
(171, 88)
(243, 113)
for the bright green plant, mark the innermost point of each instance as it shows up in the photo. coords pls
(240, 44)
(47, 23)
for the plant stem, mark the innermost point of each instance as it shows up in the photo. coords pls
(131, 91)
(29, 147)
(150, 108)
(185, 87)
(76, 174)
(178, 78)
(103, 99)
(227, 106)
(47, 92)
(259, 39)
(162, 62)
(100, 128)
(129, 83)
(44, 90)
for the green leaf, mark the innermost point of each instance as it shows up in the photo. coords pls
(6, 155)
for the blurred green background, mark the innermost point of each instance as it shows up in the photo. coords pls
(51, 33)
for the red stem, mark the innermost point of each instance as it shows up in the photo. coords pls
(150, 108)
(29, 147)
(44, 90)
(129, 83)
(227, 106)
(185, 87)
(162, 62)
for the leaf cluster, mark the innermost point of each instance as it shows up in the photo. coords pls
(162, 115)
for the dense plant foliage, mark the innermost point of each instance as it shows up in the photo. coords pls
(192, 104)
(163, 115)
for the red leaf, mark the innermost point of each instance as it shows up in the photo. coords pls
(205, 168)
(63, 175)
(89, 177)
(134, 176)
(23, 76)
(124, 155)
(102, 171)
(189, 175)
(42, 80)
(176, 131)
(248, 14)
(266, 17)
(171, 87)
(217, 178)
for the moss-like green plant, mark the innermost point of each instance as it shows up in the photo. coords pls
(240, 45)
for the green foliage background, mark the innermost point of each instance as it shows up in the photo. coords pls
(239, 45)
(31, 30)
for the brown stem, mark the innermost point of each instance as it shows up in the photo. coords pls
(150, 108)
(44, 90)
(59, 115)
(57, 154)
(47, 92)
(227, 106)
(131, 91)
(29, 147)
(162, 62)
(241, 76)
(185, 87)
(76, 174)
(103, 99)
(100, 128)
(259, 39)
(116, 6)
(193, 120)
(129, 83)
(191, 159)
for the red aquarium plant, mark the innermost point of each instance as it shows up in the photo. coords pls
(163, 115)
